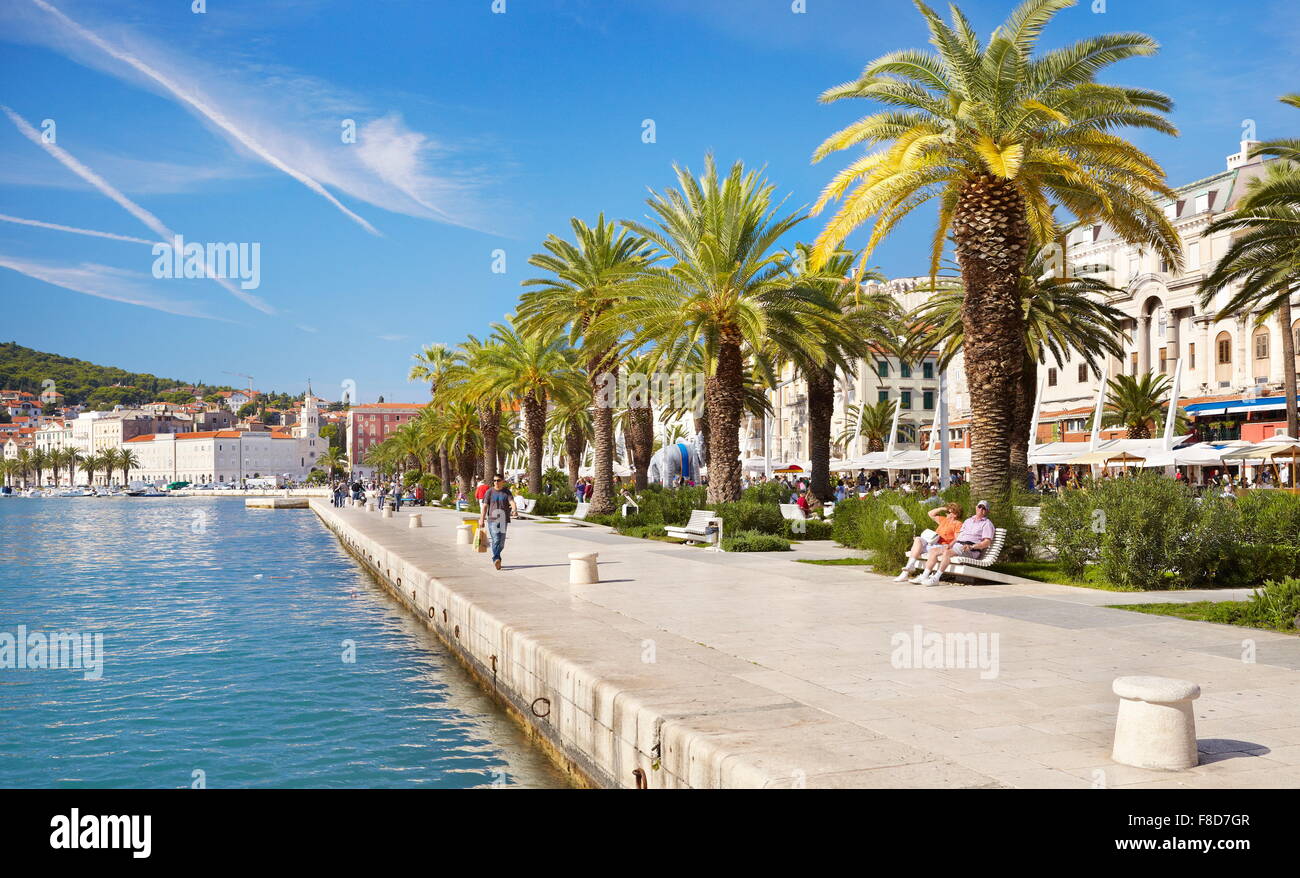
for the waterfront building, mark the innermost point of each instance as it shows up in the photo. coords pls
(368, 425)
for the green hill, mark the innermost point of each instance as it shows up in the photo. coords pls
(80, 382)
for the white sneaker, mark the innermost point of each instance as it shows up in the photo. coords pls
(904, 576)
(932, 579)
(918, 579)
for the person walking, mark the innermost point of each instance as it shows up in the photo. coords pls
(497, 510)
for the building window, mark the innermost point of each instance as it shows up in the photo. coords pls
(1083, 372)
(1191, 356)
(1225, 349)
(1133, 363)
(1164, 360)
(882, 396)
(904, 370)
(927, 370)
(905, 399)
(1261, 344)
(882, 368)
(1051, 377)
(927, 400)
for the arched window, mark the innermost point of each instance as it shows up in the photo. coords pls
(1260, 349)
(1223, 358)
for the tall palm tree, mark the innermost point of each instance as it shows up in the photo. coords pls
(999, 135)
(431, 365)
(1265, 259)
(637, 418)
(332, 460)
(24, 464)
(727, 290)
(871, 420)
(468, 380)
(1064, 313)
(127, 460)
(1139, 403)
(531, 369)
(588, 278)
(866, 322)
(71, 458)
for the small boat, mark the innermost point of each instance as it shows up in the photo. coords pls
(150, 491)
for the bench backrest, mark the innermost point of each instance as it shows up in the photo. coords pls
(581, 510)
(526, 504)
(999, 540)
(791, 511)
(700, 518)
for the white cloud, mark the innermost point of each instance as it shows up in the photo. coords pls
(104, 282)
(91, 232)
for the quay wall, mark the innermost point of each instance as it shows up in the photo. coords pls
(607, 719)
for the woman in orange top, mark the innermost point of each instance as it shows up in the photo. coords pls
(947, 522)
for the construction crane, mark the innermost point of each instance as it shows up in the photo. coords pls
(242, 375)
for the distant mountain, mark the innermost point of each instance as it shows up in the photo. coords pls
(85, 383)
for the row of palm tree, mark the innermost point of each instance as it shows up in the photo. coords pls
(1000, 135)
(38, 462)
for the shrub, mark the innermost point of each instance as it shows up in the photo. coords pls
(768, 492)
(660, 506)
(559, 484)
(1276, 605)
(745, 516)
(847, 527)
(809, 529)
(641, 531)
(882, 534)
(1270, 517)
(753, 541)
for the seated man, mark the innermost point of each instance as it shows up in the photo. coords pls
(947, 521)
(975, 536)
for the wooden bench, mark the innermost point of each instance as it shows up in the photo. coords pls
(578, 516)
(978, 568)
(703, 527)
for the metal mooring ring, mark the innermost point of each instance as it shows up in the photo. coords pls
(547, 702)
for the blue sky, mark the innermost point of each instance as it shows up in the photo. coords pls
(477, 132)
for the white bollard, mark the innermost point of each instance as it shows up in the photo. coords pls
(582, 568)
(1156, 727)
(370, 505)
(462, 534)
(416, 520)
(388, 512)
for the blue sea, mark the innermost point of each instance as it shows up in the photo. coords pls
(240, 648)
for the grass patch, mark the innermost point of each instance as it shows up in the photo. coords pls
(836, 562)
(1219, 612)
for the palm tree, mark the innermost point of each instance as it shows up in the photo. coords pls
(40, 461)
(872, 421)
(1265, 260)
(866, 323)
(727, 291)
(468, 380)
(532, 370)
(456, 429)
(1139, 403)
(999, 136)
(24, 464)
(71, 457)
(589, 277)
(91, 464)
(432, 364)
(1063, 314)
(637, 420)
(572, 427)
(332, 460)
(127, 461)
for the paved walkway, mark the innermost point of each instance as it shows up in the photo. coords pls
(824, 657)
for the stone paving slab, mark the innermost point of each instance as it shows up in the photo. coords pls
(769, 672)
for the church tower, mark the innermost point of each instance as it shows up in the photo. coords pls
(308, 426)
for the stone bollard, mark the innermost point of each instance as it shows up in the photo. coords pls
(582, 568)
(462, 535)
(388, 512)
(416, 520)
(370, 505)
(1156, 727)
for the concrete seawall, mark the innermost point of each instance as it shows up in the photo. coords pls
(616, 707)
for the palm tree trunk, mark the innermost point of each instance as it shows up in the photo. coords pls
(1022, 428)
(467, 460)
(640, 441)
(489, 425)
(821, 408)
(444, 470)
(535, 428)
(1288, 368)
(575, 446)
(601, 371)
(992, 240)
(724, 395)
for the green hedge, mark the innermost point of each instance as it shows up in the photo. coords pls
(753, 541)
(809, 529)
(1150, 532)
